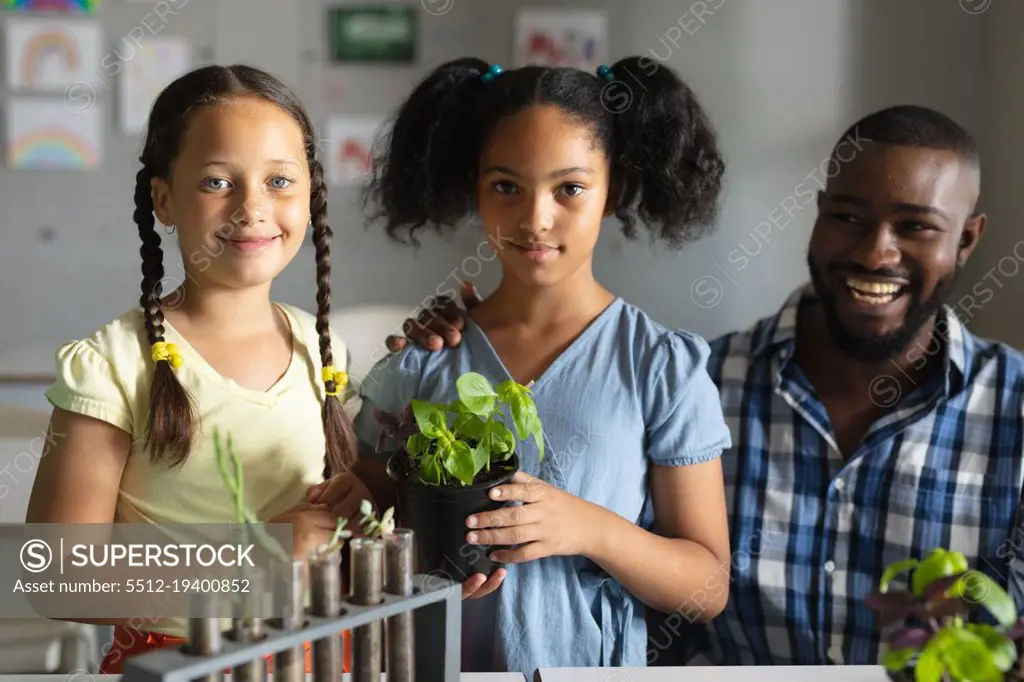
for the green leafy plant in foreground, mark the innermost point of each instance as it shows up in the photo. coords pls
(458, 440)
(943, 591)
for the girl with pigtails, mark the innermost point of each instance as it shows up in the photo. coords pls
(539, 157)
(229, 165)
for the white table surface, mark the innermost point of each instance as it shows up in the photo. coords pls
(850, 673)
(696, 673)
(82, 676)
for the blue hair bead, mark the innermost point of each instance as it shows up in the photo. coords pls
(492, 73)
(604, 71)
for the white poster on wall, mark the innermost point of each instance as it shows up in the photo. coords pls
(53, 55)
(348, 148)
(154, 64)
(44, 133)
(551, 36)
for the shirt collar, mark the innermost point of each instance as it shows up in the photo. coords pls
(778, 338)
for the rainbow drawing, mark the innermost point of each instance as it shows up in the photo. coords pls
(51, 147)
(44, 44)
(80, 6)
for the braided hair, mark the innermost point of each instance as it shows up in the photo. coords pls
(173, 421)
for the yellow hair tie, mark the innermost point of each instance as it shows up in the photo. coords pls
(167, 351)
(339, 377)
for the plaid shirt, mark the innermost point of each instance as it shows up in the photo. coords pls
(812, 534)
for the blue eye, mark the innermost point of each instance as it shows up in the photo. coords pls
(210, 183)
(286, 182)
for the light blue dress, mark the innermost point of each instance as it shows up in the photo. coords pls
(626, 394)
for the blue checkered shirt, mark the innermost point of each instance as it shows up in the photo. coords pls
(812, 534)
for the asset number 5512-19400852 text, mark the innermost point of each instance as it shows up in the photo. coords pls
(229, 585)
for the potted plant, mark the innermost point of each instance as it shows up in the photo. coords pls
(940, 645)
(447, 458)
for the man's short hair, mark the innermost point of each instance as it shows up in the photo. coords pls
(915, 126)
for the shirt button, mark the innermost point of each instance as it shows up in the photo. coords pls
(835, 654)
(830, 566)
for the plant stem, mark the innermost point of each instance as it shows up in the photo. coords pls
(244, 516)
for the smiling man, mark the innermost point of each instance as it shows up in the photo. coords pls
(869, 425)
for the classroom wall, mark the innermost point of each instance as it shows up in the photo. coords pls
(781, 80)
(992, 285)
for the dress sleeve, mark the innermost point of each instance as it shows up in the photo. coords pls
(682, 407)
(386, 391)
(87, 384)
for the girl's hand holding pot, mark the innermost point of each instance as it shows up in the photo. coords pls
(550, 522)
(481, 585)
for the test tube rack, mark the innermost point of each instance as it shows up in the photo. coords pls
(435, 603)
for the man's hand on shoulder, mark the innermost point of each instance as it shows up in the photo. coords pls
(440, 325)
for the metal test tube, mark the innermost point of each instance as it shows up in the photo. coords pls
(398, 574)
(290, 594)
(367, 590)
(325, 601)
(247, 626)
(205, 637)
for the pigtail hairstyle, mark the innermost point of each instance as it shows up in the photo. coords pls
(425, 173)
(666, 167)
(666, 162)
(341, 438)
(171, 429)
(172, 425)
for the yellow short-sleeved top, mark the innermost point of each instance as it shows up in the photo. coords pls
(278, 434)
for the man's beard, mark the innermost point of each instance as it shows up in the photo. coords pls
(882, 347)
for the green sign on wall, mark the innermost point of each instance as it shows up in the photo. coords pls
(372, 34)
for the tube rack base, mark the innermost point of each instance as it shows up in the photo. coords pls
(436, 604)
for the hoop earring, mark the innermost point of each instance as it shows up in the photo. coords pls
(169, 229)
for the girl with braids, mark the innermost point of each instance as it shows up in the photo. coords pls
(229, 164)
(627, 507)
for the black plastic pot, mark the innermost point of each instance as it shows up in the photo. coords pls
(437, 515)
